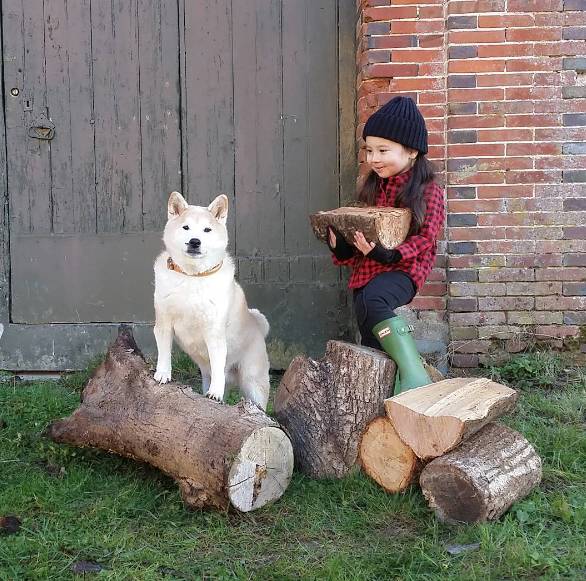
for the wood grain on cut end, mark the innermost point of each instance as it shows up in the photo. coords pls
(385, 458)
(435, 418)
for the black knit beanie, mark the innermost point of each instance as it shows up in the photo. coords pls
(400, 121)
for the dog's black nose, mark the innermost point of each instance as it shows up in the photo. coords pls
(195, 243)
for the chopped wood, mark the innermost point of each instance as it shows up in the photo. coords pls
(386, 226)
(435, 418)
(220, 455)
(385, 458)
(325, 405)
(483, 477)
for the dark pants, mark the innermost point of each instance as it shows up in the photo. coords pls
(377, 301)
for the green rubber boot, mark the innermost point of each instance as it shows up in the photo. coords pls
(395, 337)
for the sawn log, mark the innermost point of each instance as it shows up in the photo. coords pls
(434, 419)
(483, 477)
(325, 405)
(220, 455)
(387, 226)
(385, 458)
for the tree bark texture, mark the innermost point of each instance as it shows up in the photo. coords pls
(434, 419)
(325, 405)
(482, 478)
(218, 454)
(387, 226)
(385, 458)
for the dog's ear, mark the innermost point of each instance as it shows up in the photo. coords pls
(176, 206)
(219, 208)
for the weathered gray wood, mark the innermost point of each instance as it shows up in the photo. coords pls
(159, 107)
(4, 207)
(80, 99)
(53, 283)
(62, 347)
(347, 17)
(257, 127)
(309, 119)
(117, 116)
(323, 108)
(207, 103)
(107, 69)
(29, 177)
(57, 36)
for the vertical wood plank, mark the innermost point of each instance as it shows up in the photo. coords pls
(160, 107)
(117, 116)
(296, 146)
(67, 42)
(258, 127)
(29, 176)
(322, 31)
(207, 106)
(4, 205)
(347, 18)
(70, 100)
(310, 93)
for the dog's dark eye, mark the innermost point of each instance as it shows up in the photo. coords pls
(186, 227)
(207, 229)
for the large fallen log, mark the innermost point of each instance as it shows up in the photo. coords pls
(325, 405)
(218, 454)
(434, 419)
(387, 226)
(385, 458)
(482, 478)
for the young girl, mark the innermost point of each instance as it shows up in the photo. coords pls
(382, 280)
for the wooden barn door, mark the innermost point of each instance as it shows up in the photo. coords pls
(109, 106)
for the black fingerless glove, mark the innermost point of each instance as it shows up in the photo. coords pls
(384, 256)
(343, 250)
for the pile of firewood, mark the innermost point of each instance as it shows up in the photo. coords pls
(338, 413)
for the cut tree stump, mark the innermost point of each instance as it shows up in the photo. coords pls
(387, 226)
(325, 405)
(385, 458)
(483, 477)
(218, 454)
(434, 419)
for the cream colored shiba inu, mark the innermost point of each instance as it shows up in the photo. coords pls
(198, 302)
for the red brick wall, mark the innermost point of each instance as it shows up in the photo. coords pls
(502, 85)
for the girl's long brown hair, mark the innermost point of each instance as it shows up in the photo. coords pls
(411, 196)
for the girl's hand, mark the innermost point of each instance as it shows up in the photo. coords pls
(362, 243)
(331, 238)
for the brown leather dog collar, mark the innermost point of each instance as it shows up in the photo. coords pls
(172, 266)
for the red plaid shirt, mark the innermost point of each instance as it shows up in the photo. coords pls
(417, 252)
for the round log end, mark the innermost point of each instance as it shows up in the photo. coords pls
(387, 460)
(262, 470)
(452, 495)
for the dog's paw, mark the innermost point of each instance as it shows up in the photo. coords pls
(162, 376)
(216, 395)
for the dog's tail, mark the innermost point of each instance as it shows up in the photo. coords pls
(261, 321)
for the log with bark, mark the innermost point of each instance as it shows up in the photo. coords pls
(387, 226)
(483, 477)
(385, 458)
(325, 405)
(220, 455)
(434, 419)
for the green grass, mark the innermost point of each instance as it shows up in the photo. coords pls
(88, 505)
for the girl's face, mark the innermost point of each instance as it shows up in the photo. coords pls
(388, 158)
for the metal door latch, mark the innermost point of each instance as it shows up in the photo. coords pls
(42, 128)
